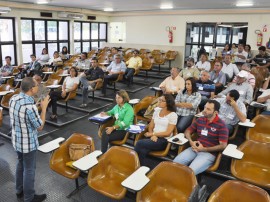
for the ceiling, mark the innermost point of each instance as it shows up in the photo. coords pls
(150, 5)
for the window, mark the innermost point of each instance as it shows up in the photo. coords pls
(38, 34)
(89, 35)
(207, 35)
(7, 40)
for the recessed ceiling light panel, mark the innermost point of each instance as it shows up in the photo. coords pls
(108, 9)
(166, 6)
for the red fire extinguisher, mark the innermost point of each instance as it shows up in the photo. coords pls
(170, 35)
(259, 39)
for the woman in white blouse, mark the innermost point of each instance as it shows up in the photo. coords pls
(203, 64)
(44, 58)
(159, 129)
(70, 84)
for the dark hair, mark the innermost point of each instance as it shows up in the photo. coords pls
(55, 52)
(228, 45)
(170, 102)
(193, 83)
(249, 47)
(33, 55)
(136, 51)
(85, 54)
(191, 59)
(234, 44)
(38, 73)
(240, 44)
(262, 48)
(216, 104)
(76, 71)
(218, 61)
(64, 52)
(43, 50)
(95, 58)
(123, 94)
(234, 94)
(8, 57)
(27, 84)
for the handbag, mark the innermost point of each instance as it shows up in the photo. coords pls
(77, 151)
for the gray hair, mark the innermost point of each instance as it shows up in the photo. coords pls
(177, 68)
(27, 84)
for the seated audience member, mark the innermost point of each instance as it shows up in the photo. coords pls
(245, 89)
(248, 51)
(174, 83)
(89, 80)
(203, 64)
(226, 51)
(229, 68)
(240, 55)
(218, 77)
(206, 88)
(234, 48)
(265, 98)
(190, 70)
(43, 91)
(160, 128)
(261, 58)
(34, 66)
(7, 69)
(232, 110)
(64, 53)
(135, 62)
(83, 62)
(212, 138)
(187, 102)
(114, 69)
(123, 114)
(55, 61)
(44, 58)
(70, 84)
(251, 78)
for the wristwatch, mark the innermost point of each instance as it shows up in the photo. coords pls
(114, 127)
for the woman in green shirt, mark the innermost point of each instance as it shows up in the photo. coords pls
(123, 114)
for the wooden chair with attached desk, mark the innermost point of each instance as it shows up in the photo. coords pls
(231, 189)
(146, 66)
(168, 182)
(7, 97)
(113, 168)
(60, 158)
(143, 104)
(170, 56)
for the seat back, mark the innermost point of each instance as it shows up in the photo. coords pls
(171, 55)
(4, 87)
(168, 182)
(60, 156)
(261, 132)
(113, 168)
(231, 189)
(146, 64)
(143, 104)
(51, 82)
(6, 98)
(254, 167)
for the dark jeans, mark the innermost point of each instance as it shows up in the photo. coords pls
(115, 135)
(55, 95)
(230, 128)
(129, 74)
(183, 123)
(144, 146)
(25, 174)
(107, 79)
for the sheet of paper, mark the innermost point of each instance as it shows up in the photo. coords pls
(134, 127)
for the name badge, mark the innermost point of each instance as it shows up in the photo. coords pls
(241, 92)
(230, 116)
(173, 88)
(204, 132)
(215, 81)
(200, 88)
(264, 61)
(116, 116)
(189, 74)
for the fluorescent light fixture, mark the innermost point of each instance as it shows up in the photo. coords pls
(42, 1)
(5, 9)
(166, 6)
(108, 9)
(244, 4)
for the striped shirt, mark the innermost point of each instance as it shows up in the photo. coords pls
(216, 131)
(194, 99)
(227, 112)
(205, 88)
(25, 121)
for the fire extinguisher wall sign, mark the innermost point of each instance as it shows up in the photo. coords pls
(259, 37)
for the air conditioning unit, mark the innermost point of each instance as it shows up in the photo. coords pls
(5, 9)
(70, 15)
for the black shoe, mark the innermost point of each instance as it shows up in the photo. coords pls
(20, 195)
(39, 198)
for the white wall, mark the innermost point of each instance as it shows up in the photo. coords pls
(151, 30)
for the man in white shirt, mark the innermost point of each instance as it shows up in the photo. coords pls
(174, 83)
(241, 55)
(265, 98)
(56, 60)
(83, 63)
(228, 68)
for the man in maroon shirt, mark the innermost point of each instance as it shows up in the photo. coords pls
(212, 138)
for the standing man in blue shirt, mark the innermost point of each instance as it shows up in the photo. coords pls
(25, 123)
